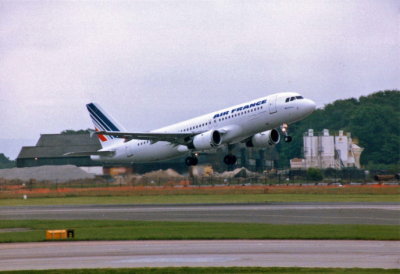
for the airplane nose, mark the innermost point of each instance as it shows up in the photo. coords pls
(310, 106)
(313, 105)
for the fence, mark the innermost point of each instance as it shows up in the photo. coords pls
(281, 177)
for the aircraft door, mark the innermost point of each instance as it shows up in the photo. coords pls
(272, 105)
(128, 150)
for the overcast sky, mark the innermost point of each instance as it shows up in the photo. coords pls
(152, 63)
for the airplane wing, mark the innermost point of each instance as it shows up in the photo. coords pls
(174, 138)
(90, 153)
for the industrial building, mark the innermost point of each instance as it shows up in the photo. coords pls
(50, 150)
(327, 151)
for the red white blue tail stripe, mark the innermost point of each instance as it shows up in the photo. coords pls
(102, 121)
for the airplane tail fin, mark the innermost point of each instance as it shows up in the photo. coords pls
(104, 122)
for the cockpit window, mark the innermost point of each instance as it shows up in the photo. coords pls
(293, 98)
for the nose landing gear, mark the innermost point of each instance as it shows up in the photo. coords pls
(287, 139)
(284, 129)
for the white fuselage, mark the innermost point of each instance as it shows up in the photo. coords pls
(238, 122)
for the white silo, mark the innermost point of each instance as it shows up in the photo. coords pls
(311, 149)
(327, 150)
(342, 147)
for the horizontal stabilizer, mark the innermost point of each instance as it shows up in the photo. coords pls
(90, 153)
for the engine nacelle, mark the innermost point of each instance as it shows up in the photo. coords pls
(206, 140)
(264, 139)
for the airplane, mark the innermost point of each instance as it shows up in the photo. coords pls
(253, 123)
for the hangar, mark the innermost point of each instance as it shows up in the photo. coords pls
(50, 150)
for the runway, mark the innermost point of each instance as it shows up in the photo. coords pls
(274, 213)
(283, 253)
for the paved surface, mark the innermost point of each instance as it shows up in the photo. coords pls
(284, 253)
(274, 213)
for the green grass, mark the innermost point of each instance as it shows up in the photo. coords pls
(184, 199)
(150, 230)
(219, 270)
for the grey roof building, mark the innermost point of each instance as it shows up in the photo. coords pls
(50, 150)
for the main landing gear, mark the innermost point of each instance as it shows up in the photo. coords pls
(284, 129)
(230, 159)
(191, 160)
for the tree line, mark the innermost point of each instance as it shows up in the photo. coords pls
(5, 162)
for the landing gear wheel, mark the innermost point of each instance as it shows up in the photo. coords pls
(191, 161)
(288, 139)
(284, 129)
(230, 159)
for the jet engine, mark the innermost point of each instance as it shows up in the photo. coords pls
(263, 139)
(206, 140)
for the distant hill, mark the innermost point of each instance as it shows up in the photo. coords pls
(373, 120)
